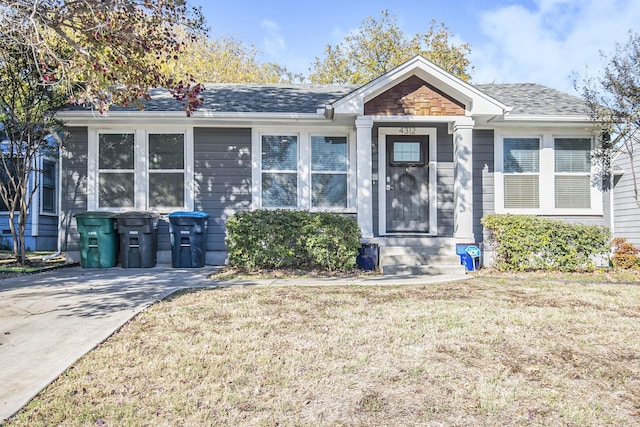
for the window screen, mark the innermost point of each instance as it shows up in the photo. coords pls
(521, 167)
(573, 173)
(279, 171)
(329, 165)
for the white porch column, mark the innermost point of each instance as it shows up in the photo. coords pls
(463, 179)
(363, 176)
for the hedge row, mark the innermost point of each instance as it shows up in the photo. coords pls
(285, 239)
(525, 242)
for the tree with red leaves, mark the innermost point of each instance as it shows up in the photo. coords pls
(105, 52)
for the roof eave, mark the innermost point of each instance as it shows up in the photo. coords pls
(179, 116)
(543, 118)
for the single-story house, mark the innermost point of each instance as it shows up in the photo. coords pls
(417, 157)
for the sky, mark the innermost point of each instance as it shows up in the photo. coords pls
(549, 42)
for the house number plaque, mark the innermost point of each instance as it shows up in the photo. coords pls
(408, 130)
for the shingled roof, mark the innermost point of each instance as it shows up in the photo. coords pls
(524, 98)
(253, 98)
(534, 99)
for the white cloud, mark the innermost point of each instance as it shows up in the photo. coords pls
(551, 41)
(273, 42)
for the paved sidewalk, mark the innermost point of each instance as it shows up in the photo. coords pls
(50, 320)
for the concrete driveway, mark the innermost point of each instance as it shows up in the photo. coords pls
(50, 320)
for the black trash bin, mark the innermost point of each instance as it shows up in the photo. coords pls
(367, 258)
(98, 239)
(138, 239)
(188, 238)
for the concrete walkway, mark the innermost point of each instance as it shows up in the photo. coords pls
(50, 320)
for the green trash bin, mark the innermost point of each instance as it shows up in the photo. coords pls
(98, 239)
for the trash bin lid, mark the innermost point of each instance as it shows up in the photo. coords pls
(95, 215)
(138, 215)
(189, 214)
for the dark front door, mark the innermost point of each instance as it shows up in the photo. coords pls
(407, 183)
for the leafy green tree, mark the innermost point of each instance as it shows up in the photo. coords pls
(614, 103)
(28, 126)
(380, 45)
(105, 52)
(227, 60)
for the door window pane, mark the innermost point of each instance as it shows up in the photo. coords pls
(406, 152)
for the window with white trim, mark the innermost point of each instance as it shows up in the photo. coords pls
(546, 174)
(279, 165)
(329, 171)
(521, 173)
(166, 170)
(116, 170)
(142, 170)
(572, 173)
(304, 168)
(48, 186)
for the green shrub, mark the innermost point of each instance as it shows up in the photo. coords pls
(526, 242)
(625, 255)
(273, 239)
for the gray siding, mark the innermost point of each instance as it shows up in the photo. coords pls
(625, 207)
(73, 185)
(445, 177)
(222, 178)
(483, 179)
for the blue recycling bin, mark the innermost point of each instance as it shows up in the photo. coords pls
(188, 239)
(469, 254)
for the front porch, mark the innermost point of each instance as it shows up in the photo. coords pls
(416, 255)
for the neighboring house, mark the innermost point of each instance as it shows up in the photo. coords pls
(626, 200)
(41, 231)
(416, 156)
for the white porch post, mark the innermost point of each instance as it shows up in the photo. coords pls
(363, 176)
(463, 179)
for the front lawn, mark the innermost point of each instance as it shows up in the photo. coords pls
(504, 350)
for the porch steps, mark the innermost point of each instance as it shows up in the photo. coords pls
(419, 256)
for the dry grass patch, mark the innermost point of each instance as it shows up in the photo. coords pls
(492, 351)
